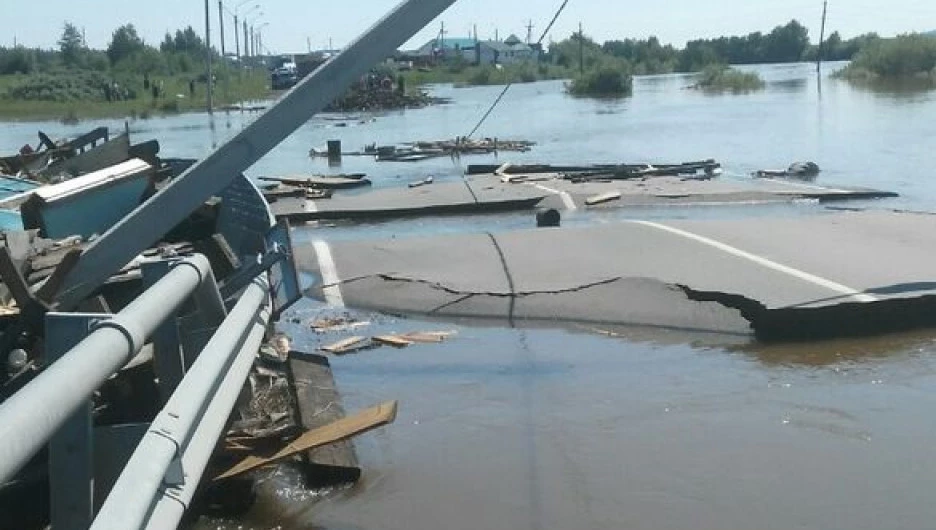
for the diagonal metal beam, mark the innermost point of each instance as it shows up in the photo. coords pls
(164, 210)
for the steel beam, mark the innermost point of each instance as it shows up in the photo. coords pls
(167, 208)
(30, 417)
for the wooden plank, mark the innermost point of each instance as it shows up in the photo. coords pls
(319, 403)
(342, 429)
(428, 336)
(396, 341)
(347, 345)
(603, 197)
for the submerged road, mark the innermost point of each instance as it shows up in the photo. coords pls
(488, 193)
(726, 277)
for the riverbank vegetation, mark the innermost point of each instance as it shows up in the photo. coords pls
(722, 78)
(129, 79)
(600, 69)
(907, 58)
(611, 79)
(579, 55)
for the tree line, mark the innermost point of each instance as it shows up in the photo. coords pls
(786, 43)
(180, 53)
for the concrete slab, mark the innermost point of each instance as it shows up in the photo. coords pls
(676, 191)
(754, 276)
(430, 199)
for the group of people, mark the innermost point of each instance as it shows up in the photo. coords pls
(114, 91)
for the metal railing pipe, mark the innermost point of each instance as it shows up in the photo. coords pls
(173, 502)
(132, 496)
(31, 416)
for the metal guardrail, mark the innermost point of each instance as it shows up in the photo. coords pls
(169, 461)
(160, 478)
(66, 384)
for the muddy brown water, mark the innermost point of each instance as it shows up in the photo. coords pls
(560, 428)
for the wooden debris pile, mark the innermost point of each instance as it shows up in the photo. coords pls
(396, 340)
(704, 169)
(422, 150)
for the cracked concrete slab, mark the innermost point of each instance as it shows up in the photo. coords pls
(677, 191)
(430, 199)
(841, 274)
(488, 194)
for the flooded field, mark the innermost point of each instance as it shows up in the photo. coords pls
(558, 428)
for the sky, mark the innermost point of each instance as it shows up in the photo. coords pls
(293, 25)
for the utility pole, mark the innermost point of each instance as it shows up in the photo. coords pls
(221, 26)
(529, 29)
(581, 37)
(237, 39)
(825, 4)
(309, 44)
(208, 53)
(246, 46)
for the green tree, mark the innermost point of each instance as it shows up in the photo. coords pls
(786, 43)
(124, 43)
(15, 61)
(71, 45)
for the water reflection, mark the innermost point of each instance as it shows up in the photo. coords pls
(853, 350)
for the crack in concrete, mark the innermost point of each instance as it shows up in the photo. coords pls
(846, 319)
(783, 324)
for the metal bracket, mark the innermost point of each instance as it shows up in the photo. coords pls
(279, 263)
(71, 464)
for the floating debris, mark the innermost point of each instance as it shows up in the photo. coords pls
(397, 341)
(603, 197)
(340, 323)
(331, 182)
(423, 182)
(799, 170)
(348, 345)
(704, 169)
(342, 429)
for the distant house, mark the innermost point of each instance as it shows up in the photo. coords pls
(509, 51)
(449, 49)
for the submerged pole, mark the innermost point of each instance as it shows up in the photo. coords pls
(221, 27)
(208, 53)
(825, 4)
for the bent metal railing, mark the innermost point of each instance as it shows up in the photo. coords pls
(157, 483)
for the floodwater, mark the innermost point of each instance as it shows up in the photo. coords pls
(569, 428)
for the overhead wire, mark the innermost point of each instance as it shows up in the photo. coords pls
(509, 84)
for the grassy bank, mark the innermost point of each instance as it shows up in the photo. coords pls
(464, 75)
(720, 78)
(904, 58)
(63, 96)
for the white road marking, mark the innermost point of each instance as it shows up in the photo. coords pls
(309, 206)
(564, 195)
(330, 279)
(811, 278)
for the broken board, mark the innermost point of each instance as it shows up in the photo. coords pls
(340, 430)
(319, 404)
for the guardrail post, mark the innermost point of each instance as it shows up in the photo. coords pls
(71, 466)
(167, 356)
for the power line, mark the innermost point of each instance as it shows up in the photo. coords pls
(539, 43)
